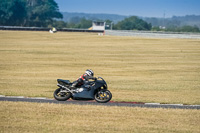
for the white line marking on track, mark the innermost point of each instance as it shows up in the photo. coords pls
(152, 103)
(173, 104)
(15, 96)
(37, 97)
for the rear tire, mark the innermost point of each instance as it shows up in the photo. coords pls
(103, 96)
(61, 96)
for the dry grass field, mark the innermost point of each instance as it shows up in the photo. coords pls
(19, 117)
(136, 69)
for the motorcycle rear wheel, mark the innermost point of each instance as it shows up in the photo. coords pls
(61, 96)
(103, 96)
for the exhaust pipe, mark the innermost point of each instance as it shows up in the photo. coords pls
(62, 86)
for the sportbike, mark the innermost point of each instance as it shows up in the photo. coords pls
(90, 90)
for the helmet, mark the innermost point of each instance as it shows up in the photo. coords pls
(89, 72)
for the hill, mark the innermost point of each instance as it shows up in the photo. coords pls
(177, 21)
(67, 16)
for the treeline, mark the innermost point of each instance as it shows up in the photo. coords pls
(175, 21)
(45, 13)
(131, 23)
(39, 13)
(186, 28)
(189, 23)
(68, 16)
(80, 23)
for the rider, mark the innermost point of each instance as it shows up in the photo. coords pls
(85, 77)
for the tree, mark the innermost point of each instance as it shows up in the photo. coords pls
(12, 12)
(84, 23)
(41, 12)
(28, 12)
(4, 14)
(18, 13)
(75, 20)
(133, 23)
(189, 29)
(58, 24)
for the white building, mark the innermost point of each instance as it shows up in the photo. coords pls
(96, 25)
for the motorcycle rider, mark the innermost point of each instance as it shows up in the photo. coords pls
(85, 77)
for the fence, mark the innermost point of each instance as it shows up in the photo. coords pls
(47, 29)
(147, 34)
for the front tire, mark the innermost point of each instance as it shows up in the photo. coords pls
(103, 96)
(61, 96)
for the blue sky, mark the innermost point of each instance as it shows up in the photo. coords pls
(144, 8)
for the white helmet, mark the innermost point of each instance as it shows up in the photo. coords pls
(89, 72)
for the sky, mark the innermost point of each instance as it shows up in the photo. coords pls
(142, 8)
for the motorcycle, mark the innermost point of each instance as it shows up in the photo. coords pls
(90, 90)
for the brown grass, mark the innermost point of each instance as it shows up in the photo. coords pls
(21, 117)
(136, 69)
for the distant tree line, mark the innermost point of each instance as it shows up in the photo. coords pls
(190, 20)
(45, 13)
(80, 23)
(186, 28)
(189, 23)
(130, 23)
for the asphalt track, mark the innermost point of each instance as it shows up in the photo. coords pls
(111, 103)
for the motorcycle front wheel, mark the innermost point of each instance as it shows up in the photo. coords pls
(103, 96)
(61, 96)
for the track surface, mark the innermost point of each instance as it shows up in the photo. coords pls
(112, 103)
